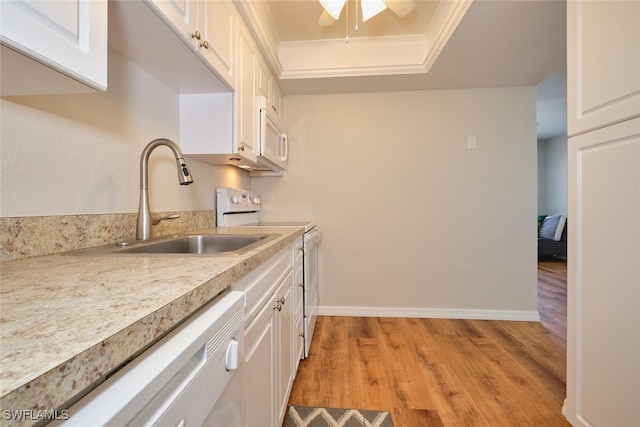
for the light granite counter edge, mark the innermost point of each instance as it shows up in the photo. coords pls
(58, 386)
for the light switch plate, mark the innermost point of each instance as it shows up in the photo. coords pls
(472, 143)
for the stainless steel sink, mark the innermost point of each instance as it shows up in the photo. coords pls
(196, 244)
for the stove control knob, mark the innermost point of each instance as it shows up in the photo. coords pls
(235, 200)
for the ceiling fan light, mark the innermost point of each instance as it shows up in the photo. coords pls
(371, 8)
(400, 7)
(333, 7)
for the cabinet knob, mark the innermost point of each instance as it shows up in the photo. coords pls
(278, 306)
(196, 35)
(241, 148)
(281, 300)
(204, 44)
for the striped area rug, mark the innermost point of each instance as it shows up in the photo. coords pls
(302, 416)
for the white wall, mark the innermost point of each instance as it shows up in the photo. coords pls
(80, 154)
(413, 222)
(552, 176)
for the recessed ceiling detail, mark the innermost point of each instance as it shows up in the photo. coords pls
(386, 44)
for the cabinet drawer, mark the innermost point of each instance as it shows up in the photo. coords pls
(259, 284)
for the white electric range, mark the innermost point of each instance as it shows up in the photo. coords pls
(240, 208)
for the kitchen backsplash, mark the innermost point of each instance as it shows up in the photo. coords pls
(25, 237)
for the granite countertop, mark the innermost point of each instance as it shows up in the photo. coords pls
(67, 321)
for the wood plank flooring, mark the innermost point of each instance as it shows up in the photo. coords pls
(445, 373)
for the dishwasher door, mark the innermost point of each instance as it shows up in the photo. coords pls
(179, 380)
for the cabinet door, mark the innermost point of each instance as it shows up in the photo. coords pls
(603, 62)
(180, 15)
(276, 99)
(68, 36)
(217, 24)
(263, 80)
(259, 364)
(603, 304)
(285, 343)
(246, 111)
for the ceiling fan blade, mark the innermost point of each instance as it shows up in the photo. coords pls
(400, 7)
(333, 7)
(371, 8)
(326, 20)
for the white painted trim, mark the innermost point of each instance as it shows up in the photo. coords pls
(264, 32)
(445, 21)
(359, 57)
(436, 313)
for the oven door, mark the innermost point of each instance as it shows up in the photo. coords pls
(311, 288)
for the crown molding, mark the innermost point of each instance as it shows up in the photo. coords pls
(359, 57)
(264, 32)
(447, 17)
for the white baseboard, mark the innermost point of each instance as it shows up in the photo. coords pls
(425, 313)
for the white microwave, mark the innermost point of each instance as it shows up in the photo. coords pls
(272, 140)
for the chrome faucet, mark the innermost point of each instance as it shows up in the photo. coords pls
(143, 228)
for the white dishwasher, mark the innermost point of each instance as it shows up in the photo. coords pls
(179, 380)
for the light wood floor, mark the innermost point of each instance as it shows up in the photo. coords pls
(438, 372)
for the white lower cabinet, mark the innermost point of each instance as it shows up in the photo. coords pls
(260, 357)
(283, 366)
(270, 360)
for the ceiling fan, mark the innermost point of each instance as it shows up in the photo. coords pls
(370, 8)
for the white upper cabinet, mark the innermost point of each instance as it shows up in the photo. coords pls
(264, 80)
(181, 15)
(603, 45)
(267, 87)
(247, 109)
(276, 99)
(161, 37)
(603, 272)
(217, 24)
(207, 26)
(53, 47)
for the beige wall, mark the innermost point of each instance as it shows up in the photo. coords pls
(413, 222)
(80, 154)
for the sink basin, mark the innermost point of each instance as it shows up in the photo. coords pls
(196, 244)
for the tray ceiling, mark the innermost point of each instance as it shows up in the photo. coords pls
(447, 44)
